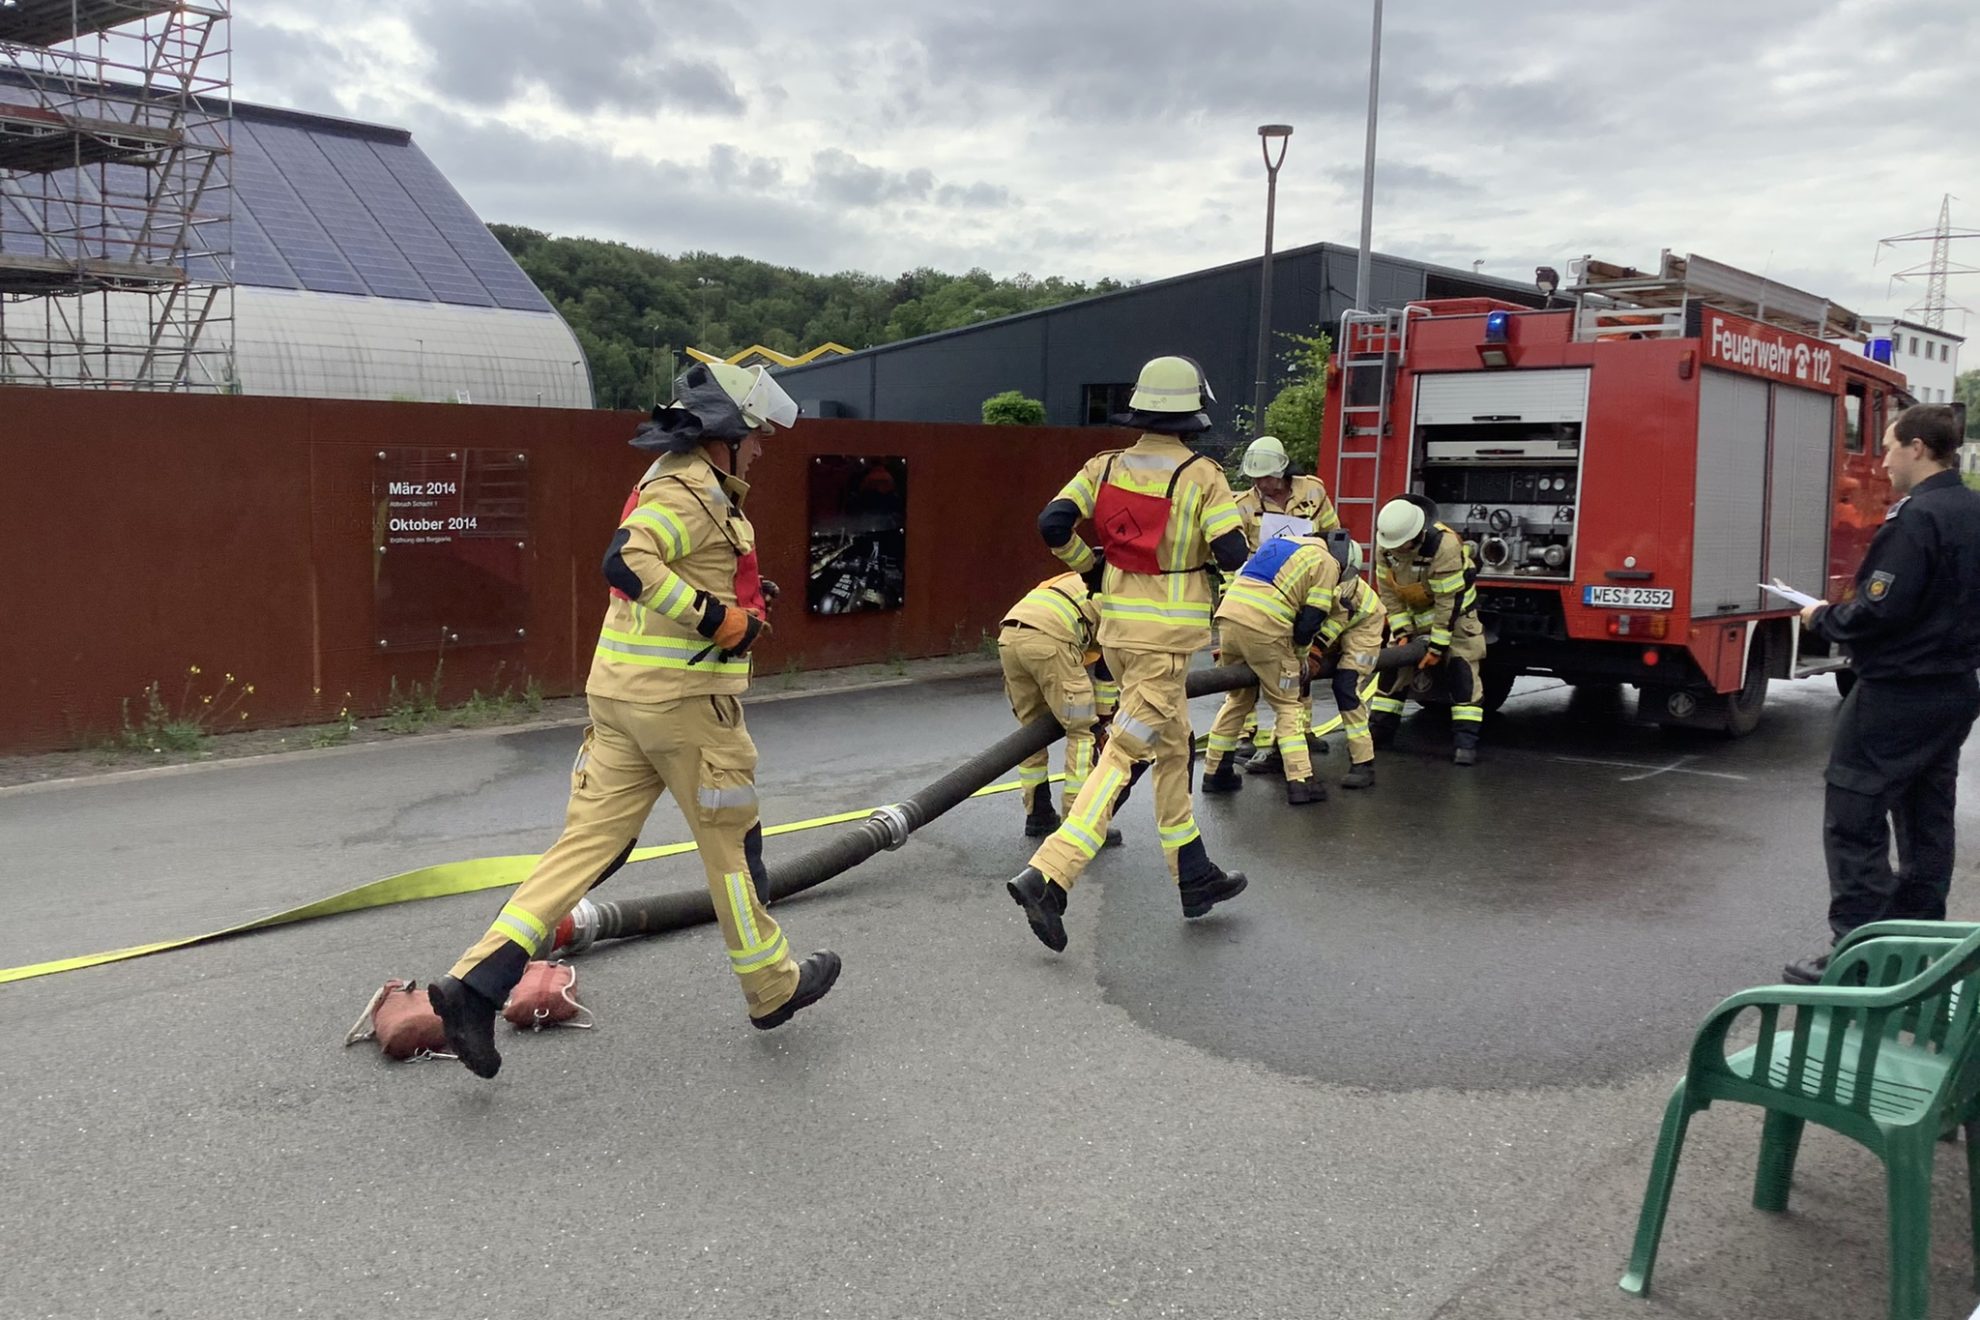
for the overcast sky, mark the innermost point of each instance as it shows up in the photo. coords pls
(1093, 138)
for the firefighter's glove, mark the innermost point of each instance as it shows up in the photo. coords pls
(770, 593)
(1431, 658)
(1095, 575)
(730, 629)
(738, 632)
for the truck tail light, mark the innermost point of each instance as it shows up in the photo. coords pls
(1639, 625)
(1651, 657)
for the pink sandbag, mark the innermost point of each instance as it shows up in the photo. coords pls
(546, 997)
(402, 1022)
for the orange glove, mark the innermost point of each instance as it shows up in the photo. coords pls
(736, 631)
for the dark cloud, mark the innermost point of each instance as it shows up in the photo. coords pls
(1396, 177)
(844, 180)
(570, 186)
(841, 179)
(732, 167)
(975, 197)
(588, 54)
(291, 67)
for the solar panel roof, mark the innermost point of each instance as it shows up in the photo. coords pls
(335, 207)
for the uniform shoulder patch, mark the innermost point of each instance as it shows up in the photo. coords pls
(1879, 585)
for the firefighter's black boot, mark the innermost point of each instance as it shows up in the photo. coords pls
(1267, 762)
(1316, 746)
(1044, 905)
(1224, 779)
(1113, 839)
(1043, 817)
(1382, 726)
(1300, 792)
(468, 1018)
(1201, 884)
(1360, 775)
(815, 976)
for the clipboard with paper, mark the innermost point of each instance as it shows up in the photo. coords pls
(1799, 599)
(1272, 526)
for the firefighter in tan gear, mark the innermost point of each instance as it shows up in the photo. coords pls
(672, 658)
(1352, 638)
(1162, 514)
(1044, 646)
(1272, 491)
(1271, 612)
(1424, 578)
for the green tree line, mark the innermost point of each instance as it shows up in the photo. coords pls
(635, 311)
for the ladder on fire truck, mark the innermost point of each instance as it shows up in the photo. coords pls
(1372, 348)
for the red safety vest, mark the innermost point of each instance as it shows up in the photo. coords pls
(1131, 523)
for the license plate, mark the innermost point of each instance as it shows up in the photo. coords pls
(1628, 598)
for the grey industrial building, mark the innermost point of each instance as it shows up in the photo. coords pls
(1080, 358)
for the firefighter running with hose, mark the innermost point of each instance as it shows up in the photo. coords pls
(687, 604)
(1162, 514)
(1272, 611)
(1299, 497)
(1046, 644)
(1351, 639)
(1424, 577)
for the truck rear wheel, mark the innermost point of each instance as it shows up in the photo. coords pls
(1498, 683)
(1743, 706)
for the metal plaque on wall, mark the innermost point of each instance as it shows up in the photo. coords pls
(450, 539)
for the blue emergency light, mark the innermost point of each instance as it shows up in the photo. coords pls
(1495, 350)
(1879, 351)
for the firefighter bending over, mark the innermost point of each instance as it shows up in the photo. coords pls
(1272, 611)
(1046, 645)
(1351, 639)
(1424, 578)
(673, 655)
(1162, 513)
(1273, 491)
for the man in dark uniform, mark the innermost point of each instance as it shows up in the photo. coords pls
(1912, 630)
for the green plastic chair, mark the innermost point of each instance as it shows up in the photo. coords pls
(1883, 1051)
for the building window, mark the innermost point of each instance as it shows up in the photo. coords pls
(1914, 346)
(1099, 402)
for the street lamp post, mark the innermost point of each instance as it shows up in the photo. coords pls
(1368, 165)
(1268, 134)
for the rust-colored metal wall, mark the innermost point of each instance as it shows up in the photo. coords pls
(144, 534)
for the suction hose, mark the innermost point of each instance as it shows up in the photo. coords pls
(886, 829)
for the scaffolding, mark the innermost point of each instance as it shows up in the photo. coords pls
(116, 194)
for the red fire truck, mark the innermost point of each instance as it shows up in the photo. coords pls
(1628, 463)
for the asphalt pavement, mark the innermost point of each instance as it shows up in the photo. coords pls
(1414, 1071)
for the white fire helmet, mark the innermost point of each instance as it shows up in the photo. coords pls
(759, 397)
(1171, 385)
(1399, 523)
(1265, 457)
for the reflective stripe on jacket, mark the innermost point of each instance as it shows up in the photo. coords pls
(684, 536)
(1167, 611)
(1306, 499)
(1426, 594)
(1285, 576)
(1061, 609)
